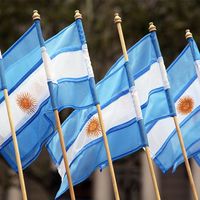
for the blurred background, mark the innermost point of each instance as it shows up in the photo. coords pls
(171, 18)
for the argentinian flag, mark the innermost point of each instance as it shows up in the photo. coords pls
(82, 133)
(183, 75)
(29, 94)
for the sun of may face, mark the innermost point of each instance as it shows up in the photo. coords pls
(185, 105)
(93, 128)
(26, 103)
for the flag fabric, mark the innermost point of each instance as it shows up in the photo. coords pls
(194, 150)
(28, 89)
(86, 151)
(185, 87)
(82, 134)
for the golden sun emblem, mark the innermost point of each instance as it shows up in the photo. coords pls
(93, 128)
(185, 105)
(26, 103)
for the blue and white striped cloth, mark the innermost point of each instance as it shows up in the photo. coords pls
(185, 87)
(84, 144)
(29, 94)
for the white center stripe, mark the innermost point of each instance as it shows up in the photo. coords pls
(122, 108)
(70, 65)
(150, 80)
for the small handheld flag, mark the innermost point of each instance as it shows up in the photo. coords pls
(47, 62)
(78, 18)
(12, 128)
(136, 103)
(152, 30)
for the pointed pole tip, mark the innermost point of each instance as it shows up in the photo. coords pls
(152, 27)
(77, 15)
(117, 18)
(116, 14)
(36, 15)
(188, 34)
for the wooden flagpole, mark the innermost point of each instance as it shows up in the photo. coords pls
(110, 164)
(112, 173)
(152, 28)
(16, 148)
(118, 21)
(36, 17)
(187, 165)
(62, 143)
(13, 132)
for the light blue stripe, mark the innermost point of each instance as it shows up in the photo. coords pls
(194, 49)
(156, 44)
(28, 33)
(16, 58)
(65, 94)
(181, 72)
(192, 151)
(39, 32)
(81, 31)
(3, 84)
(157, 107)
(136, 53)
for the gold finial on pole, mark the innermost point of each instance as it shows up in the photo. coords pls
(152, 27)
(117, 18)
(35, 15)
(77, 15)
(118, 21)
(188, 34)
